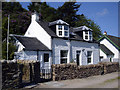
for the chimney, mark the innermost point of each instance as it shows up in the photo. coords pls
(105, 33)
(35, 16)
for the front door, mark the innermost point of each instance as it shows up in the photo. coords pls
(78, 57)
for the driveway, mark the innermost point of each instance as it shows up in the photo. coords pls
(100, 81)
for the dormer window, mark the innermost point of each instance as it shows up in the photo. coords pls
(87, 35)
(62, 30)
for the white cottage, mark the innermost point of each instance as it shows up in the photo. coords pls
(56, 43)
(109, 48)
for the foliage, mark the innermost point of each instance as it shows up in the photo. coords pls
(19, 22)
(12, 48)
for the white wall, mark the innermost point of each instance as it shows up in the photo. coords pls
(60, 44)
(32, 55)
(19, 46)
(110, 47)
(57, 46)
(77, 45)
(35, 30)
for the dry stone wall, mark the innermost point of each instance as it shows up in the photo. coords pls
(15, 73)
(72, 71)
(10, 75)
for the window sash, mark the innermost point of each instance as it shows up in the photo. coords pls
(59, 27)
(65, 27)
(63, 56)
(65, 33)
(89, 57)
(60, 33)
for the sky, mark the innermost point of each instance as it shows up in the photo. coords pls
(104, 14)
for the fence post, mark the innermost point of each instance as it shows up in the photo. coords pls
(20, 72)
(36, 67)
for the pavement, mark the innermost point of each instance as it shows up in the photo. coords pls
(99, 81)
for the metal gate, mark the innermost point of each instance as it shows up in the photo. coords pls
(45, 74)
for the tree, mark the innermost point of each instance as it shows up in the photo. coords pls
(67, 12)
(46, 12)
(19, 22)
(82, 20)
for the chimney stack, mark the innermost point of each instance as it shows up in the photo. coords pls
(35, 16)
(105, 33)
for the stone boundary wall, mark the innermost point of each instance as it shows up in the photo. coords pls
(30, 70)
(14, 73)
(11, 75)
(72, 71)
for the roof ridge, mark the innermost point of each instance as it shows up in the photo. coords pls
(21, 36)
(113, 36)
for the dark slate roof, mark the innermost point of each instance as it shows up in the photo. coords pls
(31, 43)
(106, 50)
(115, 40)
(45, 26)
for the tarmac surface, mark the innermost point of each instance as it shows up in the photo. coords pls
(100, 81)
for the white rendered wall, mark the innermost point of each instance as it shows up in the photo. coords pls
(110, 47)
(84, 47)
(59, 44)
(35, 30)
(20, 46)
(32, 55)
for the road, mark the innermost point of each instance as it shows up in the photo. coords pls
(100, 81)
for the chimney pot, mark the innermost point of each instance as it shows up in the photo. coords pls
(105, 33)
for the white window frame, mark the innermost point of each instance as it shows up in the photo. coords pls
(90, 56)
(62, 30)
(88, 35)
(63, 57)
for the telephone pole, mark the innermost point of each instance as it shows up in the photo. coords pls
(8, 37)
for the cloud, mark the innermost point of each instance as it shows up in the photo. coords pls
(103, 12)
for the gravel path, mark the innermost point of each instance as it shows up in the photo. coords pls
(100, 81)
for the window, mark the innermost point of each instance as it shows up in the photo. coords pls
(65, 27)
(87, 35)
(60, 33)
(66, 33)
(89, 57)
(59, 27)
(62, 30)
(90, 35)
(46, 57)
(63, 55)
